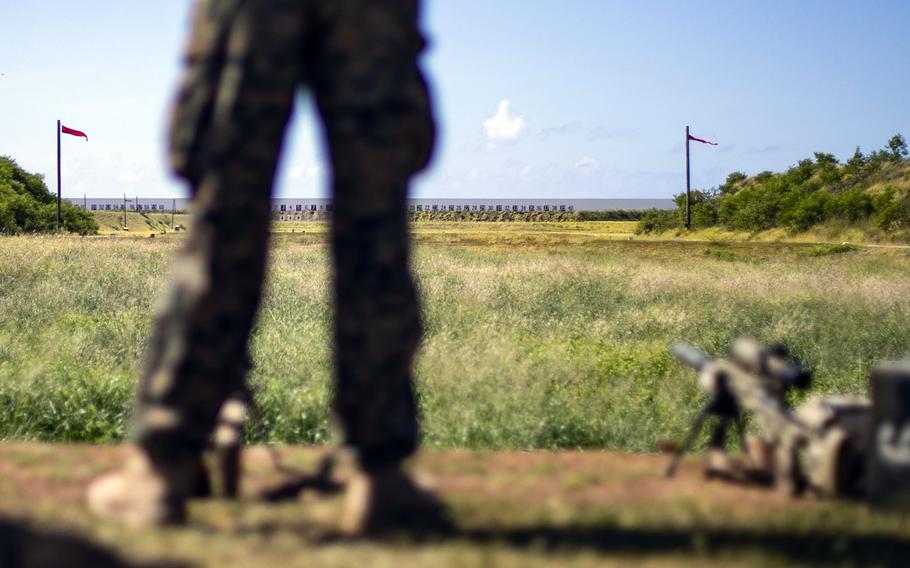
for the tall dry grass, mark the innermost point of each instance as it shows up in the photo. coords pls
(559, 344)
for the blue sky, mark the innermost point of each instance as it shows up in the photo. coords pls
(598, 92)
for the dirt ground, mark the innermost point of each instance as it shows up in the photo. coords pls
(510, 508)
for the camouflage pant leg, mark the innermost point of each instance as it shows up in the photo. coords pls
(236, 100)
(374, 103)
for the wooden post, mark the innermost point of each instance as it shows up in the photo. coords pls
(59, 214)
(173, 211)
(124, 211)
(688, 186)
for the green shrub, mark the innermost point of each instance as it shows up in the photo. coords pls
(704, 209)
(808, 211)
(619, 215)
(657, 222)
(853, 205)
(827, 250)
(748, 210)
(891, 211)
(26, 205)
(720, 254)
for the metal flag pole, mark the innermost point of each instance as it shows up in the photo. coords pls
(59, 214)
(688, 186)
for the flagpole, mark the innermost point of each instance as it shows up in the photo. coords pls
(688, 186)
(59, 215)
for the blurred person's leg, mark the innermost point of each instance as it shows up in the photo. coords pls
(227, 130)
(379, 128)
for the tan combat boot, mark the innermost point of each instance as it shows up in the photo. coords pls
(387, 500)
(227, 442)
(718, 465)
(144, 494)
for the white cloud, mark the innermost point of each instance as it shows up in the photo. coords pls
(588, 164)
(505, 127)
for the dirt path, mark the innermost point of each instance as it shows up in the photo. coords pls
(512, 508)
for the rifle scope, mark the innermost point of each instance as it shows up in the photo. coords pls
(773, 363)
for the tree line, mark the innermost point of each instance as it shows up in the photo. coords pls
(27, 206)
(872, 187)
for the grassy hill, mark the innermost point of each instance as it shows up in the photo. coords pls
(868, 196)
(138, 224)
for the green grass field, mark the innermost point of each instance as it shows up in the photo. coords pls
(546, 336)
(541, 336)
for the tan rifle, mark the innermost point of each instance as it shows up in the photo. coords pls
(818, 447)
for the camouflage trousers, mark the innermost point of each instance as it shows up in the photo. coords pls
(246, 60)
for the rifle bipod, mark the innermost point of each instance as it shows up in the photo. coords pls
(321, 481)
(724, 407)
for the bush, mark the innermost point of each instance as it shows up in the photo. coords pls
(704, 213)
(892, 212)
(26, 205)
(657, 222)
(810, 210)
(620, 215)
(734, 183)
(827, 250)
(719, 254)
(748, 210)
(853, 206)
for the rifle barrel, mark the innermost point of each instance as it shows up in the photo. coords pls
(689, 355)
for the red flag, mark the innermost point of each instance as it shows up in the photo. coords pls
(690, 138)
(73, 132)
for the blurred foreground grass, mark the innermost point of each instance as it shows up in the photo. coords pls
(579, 509)
(550, 336)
